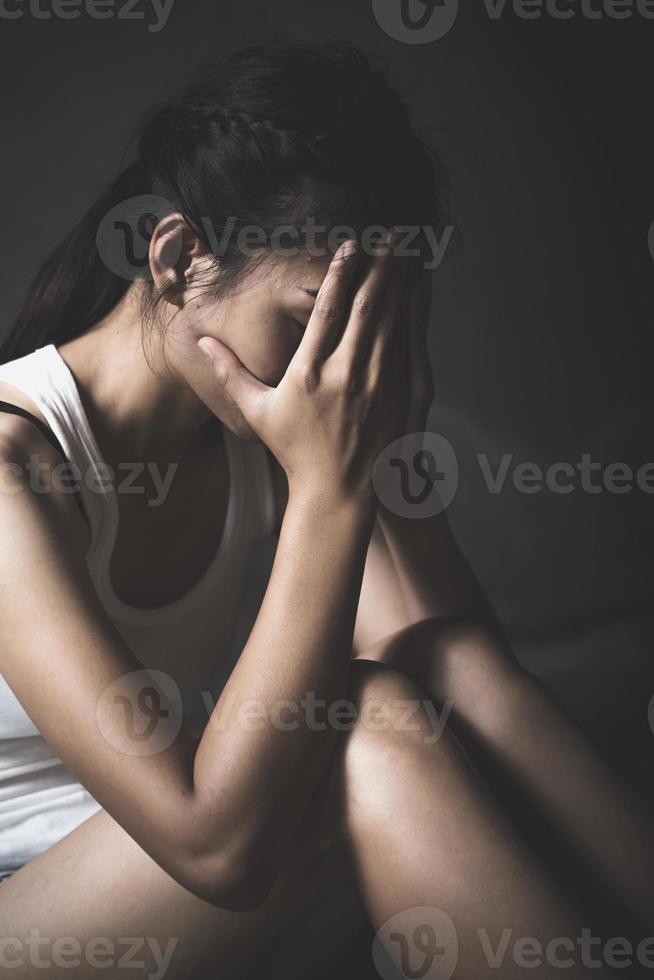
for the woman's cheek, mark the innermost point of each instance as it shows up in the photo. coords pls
(268, 358)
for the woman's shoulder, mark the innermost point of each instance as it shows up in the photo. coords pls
(24, 429)
(14, 396)
(31, 471)
(19, 437)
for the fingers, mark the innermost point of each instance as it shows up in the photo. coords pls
(422, 278)
(247, 392)
(368, 306)
(392, 325)
(400, 349)
(323, 329)
(419, 366)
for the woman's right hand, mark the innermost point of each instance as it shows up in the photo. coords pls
(339, 403)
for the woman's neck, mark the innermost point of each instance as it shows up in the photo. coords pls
(137, 410)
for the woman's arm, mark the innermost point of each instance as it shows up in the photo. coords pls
(268, 743)
(415, 570)
(414, 567)
(215, 819)
(218, 815)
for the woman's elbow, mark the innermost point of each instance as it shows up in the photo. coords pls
(238, 881)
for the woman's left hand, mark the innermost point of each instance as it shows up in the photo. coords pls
(417, 308)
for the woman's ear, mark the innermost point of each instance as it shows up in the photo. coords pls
(178, 259)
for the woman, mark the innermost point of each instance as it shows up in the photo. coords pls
(213, 805)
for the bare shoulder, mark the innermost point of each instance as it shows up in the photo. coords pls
(17, 397)
(20, 439)
(33, 483)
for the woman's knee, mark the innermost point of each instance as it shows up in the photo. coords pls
(385, 720)
(460, 664)
(397, 730)
(466, 649)
(390, 707)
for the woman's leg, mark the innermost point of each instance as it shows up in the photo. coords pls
(438, 856)
(543, 767)
(398, 818)
(99, 901)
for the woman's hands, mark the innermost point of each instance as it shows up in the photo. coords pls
(355, 382)
(418, 299)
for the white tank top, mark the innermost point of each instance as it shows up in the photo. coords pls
(196, 640)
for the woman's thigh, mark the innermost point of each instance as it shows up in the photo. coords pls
(96, 904)
(96, 901)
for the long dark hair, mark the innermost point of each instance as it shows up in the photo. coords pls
(263, 136)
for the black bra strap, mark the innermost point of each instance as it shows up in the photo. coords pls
(48, 433)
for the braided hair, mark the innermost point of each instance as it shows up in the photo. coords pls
(263, 136)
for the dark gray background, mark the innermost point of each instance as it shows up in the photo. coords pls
(542, 320)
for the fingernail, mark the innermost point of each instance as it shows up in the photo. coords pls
(348, 248)
(205, 345)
